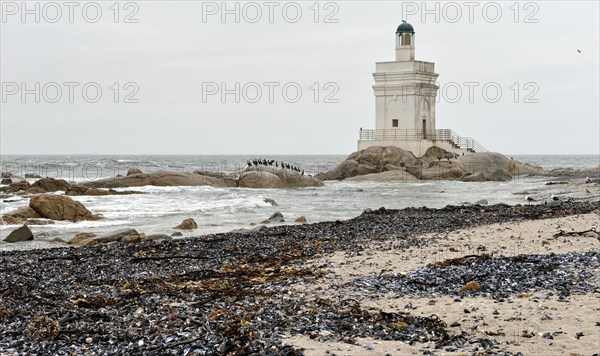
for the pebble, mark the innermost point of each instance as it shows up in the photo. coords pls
(369, 346)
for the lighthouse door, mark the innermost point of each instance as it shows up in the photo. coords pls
(424, 129)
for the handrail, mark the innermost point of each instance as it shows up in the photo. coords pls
(447, 135)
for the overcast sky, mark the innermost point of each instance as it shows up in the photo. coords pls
(175, 58)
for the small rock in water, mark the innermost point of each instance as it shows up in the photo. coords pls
(270, 201)
(156, 237)
(301, 219)
(21, 234)
(187, 224)
(277, 217)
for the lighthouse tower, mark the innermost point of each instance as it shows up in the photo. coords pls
(405, 95)
(405, 90)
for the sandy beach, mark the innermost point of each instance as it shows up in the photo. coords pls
(531, 323)
(385, 282)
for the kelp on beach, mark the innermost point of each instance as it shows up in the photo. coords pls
(226, 293)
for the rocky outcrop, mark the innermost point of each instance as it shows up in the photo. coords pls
(400, 175)
(490, 162)
(157, 237)
(370, 160)
(435, 153)
(59, 207)
(437, 170)
(251, 177)
(187, 224)
(48, 185)
(274, 177)
(133, 170)
(6, 181)
(260, 179)
(81, 238)
(470, 177)
(162, 179)
(275, 218)
(51, 185)
(21, 234)
(77, 190)
(376, 163)
(15, 187)
(20, 216)
(499, 175)
(123, 236)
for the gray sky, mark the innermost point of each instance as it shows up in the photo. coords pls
(176, 50)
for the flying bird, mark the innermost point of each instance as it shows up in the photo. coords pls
(578, 51)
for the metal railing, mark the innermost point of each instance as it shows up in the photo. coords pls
(447, 135)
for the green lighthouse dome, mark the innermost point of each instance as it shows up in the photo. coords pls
(405, 27)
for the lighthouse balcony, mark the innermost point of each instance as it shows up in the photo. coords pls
(408, 66)
(418, 141)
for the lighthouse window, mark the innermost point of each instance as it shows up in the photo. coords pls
(406, 39)
(395, 123)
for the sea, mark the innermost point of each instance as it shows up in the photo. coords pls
(216, 210)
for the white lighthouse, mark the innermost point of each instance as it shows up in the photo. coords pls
(405, 96)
